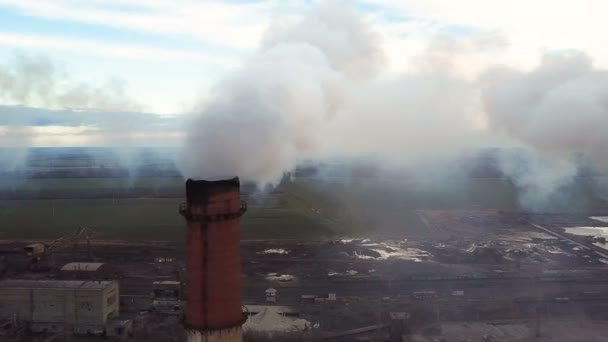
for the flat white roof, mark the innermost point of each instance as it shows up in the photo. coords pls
(54, 284)
(82, 266)
(278, 308)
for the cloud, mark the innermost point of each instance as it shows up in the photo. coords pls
(530, 27)
(34, 80)
(76, 113)
(27, 127)
(235, 25)
(115, 50)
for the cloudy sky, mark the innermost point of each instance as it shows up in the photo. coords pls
(164, 56)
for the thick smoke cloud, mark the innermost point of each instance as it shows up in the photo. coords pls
(317, 89)
(557, 110)
(274, 110)
(540, 108)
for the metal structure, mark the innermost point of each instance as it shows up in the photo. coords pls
(43, 258)
(80, 234)
(213, 283)
(11, 330)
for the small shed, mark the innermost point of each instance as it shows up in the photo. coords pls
(88, 271)
(271, 295)
(120, 328)
(34, 249)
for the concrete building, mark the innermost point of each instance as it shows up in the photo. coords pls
(58, 305)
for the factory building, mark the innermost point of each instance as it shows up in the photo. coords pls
(60, 305)
(213, 287)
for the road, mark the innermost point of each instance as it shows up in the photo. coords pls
(495, 289)
(594, 249)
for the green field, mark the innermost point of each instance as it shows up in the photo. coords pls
(91, 184)
(147, 219)
(301, 209)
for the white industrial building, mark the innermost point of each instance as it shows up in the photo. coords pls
(60, 305)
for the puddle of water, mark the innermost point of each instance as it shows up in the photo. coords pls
(275, 251)
(590, 231)
(387, 251)
(599, 218)
(279, 277)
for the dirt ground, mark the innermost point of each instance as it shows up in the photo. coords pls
(481, 267)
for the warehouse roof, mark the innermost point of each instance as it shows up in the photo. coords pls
(82, 266)
(54, 284)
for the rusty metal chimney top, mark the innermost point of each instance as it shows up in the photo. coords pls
(199, 191)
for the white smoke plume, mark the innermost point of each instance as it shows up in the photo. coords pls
(316, 89)
(557, 110)
(274, 110)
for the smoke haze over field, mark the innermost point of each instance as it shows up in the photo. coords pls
(47, 108)
(556, 110)
(323, 86)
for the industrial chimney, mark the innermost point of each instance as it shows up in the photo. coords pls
(213, 284)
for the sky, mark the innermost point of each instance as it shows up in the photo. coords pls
(166, 56)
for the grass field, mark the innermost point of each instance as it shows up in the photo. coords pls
(139, 219)
(303, 209)
(49, 188)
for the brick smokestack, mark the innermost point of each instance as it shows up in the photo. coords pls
(213, 284)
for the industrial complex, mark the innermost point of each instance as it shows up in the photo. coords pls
(479, 275)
